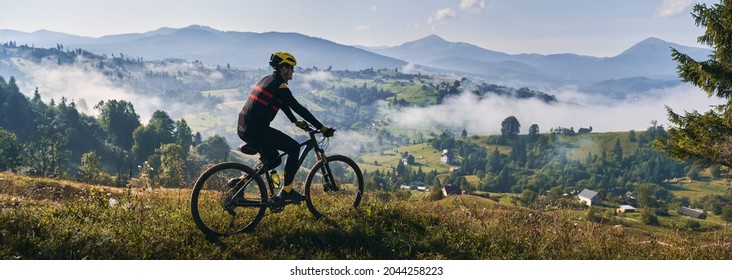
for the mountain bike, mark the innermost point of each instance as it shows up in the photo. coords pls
(230, 198)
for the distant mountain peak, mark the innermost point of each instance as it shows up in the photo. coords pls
(649, 45)
(201, 27)
(431, 40)
(652, 41)
(434, 37)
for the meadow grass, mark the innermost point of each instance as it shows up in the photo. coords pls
(53, 219)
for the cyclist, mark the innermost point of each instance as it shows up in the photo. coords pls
(269, 96)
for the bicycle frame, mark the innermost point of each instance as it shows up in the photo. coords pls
(310, 145)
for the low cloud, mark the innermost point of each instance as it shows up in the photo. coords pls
(483, 116)
(83, 84)
(313, 80)
(473, 6)
(441, 16)
(669, 8)
(317, 76)
(410, 68)
(351, 143)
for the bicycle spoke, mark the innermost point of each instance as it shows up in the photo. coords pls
(330, 198)
(225, 202)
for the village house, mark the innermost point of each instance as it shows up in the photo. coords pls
(589, 197)
(694, 213)
(446, 157)
(407, 158)
(625, 209)
(451, 190)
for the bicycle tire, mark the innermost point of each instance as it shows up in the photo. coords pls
(349, 182)
(212, 200)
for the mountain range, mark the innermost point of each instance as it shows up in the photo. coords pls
(647, 62)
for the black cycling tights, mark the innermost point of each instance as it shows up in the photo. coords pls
(270, 140)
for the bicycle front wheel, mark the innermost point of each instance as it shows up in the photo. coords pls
(333, 186)
(228, 198)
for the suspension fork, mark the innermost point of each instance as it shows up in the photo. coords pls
(329, 183)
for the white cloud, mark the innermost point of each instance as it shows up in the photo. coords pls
(312, 79)
(473, 6)
(669, 8)
(363, 28)
(483, 116)
(440, 16)
(86, 86)
(317, 76)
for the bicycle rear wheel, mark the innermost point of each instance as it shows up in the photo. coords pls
(326, 198)
(228, 198)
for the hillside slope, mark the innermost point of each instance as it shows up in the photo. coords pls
(97, 222)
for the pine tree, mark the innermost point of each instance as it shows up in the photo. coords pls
(707, 137)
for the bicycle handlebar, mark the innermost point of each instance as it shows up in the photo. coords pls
(312, 131)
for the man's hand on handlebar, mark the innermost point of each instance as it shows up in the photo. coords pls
(327, 131)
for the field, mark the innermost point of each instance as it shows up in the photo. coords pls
(54, 219)
(426, 158)
(695, 189)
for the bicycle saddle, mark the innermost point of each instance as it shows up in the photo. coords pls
(249, 149)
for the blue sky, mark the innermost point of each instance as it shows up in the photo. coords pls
(589, 27)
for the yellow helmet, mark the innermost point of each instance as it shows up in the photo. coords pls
(279, 58)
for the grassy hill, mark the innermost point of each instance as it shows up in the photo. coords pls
(54, 219)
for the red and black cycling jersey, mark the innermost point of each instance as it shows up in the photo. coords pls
(266, 99)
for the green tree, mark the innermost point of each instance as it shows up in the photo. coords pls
(707, 137)
(149, 137)
(649, 218)
(90, 167)
(47, 151)
(214, 148)
(163, 126)
(504, 181)
(618, 151)
(518, 153)
(533, 132)
(534, 129)
(593, 215)
(197, 139)
(510, 127)
(145, 142)
(528, 197)
(9, 151)
(119, 157)
(727, 213)
(494, 162)
(119, 121)
(646, 196)
(171, 165)
(183, 137)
